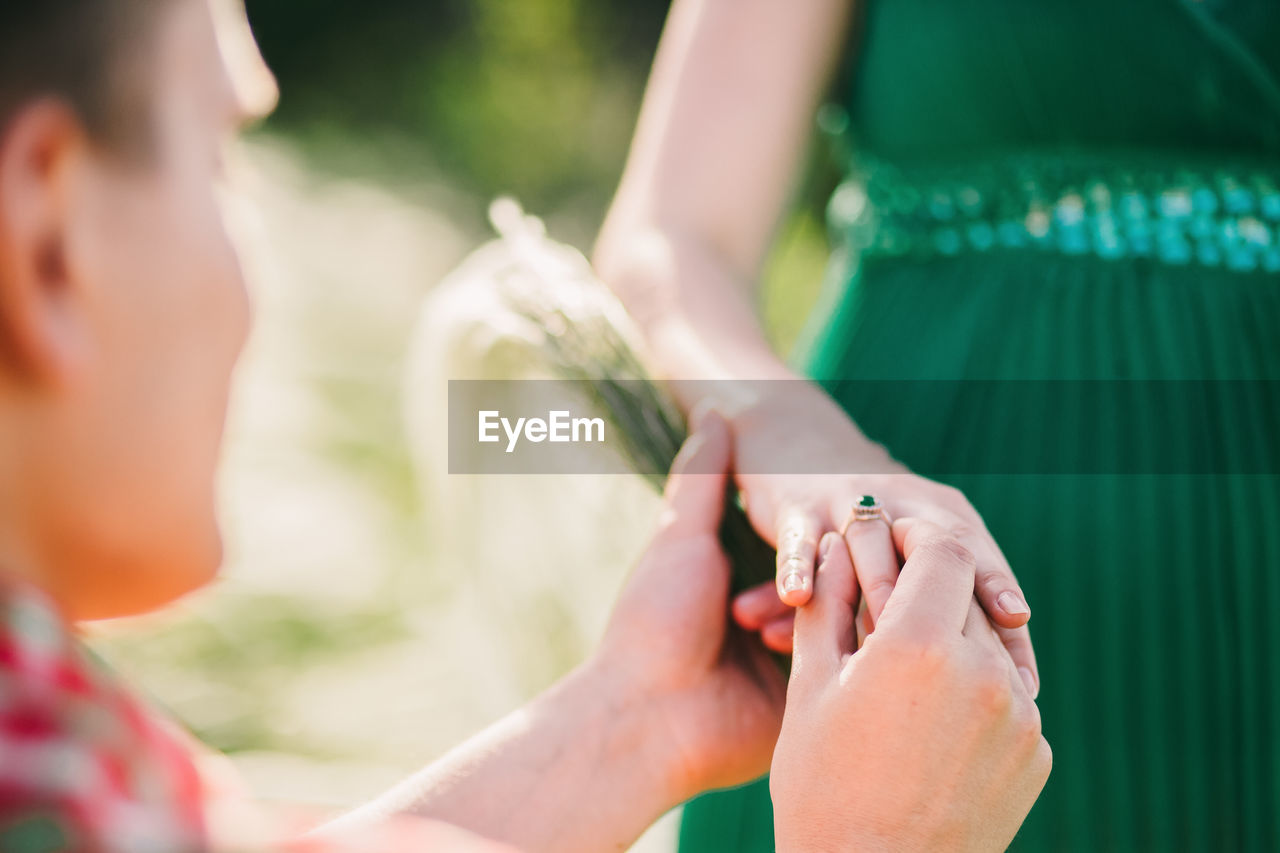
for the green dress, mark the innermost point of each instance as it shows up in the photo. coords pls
(1083, 195)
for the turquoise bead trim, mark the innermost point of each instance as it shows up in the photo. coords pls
(1088, 206)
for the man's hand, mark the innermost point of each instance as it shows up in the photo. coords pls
(707, 688)
(677, 700)
(925, 738)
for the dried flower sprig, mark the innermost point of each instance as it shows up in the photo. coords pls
(588, 337)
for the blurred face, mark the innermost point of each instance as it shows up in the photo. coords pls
(121, 414)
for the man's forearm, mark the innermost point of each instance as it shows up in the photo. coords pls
(574, 769)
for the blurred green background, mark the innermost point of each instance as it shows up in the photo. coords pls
(373, 609)
(536, 99)
(532, 98)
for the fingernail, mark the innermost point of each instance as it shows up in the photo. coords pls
(1030, 680)
(794, 581)
(1012, 603)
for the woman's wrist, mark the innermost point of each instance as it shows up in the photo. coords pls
(767, 424)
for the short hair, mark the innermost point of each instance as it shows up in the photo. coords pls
(93, 54)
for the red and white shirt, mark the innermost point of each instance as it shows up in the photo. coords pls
(83, 765)
(86, 767)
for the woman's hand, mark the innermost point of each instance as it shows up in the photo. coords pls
(708, 690)
(782, 443)
(923, 739)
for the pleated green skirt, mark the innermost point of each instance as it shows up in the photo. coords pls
(1152, 562)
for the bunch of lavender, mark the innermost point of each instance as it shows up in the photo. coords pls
(588, 338)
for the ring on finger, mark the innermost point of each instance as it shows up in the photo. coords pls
(868, 509)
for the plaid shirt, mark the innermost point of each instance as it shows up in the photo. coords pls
(84, 768)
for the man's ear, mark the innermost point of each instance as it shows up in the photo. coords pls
(40, 152)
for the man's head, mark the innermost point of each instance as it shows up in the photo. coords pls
(122, 304)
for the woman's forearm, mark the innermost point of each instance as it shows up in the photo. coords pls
(725, 121)
(575, 769)
(697, 315)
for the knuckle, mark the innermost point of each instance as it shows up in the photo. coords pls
(944, 548)
(1043, 761)
(923, 655)
(1031, 725)
(797, 549)
(878, 588)
(795, 512)
(1027, 729)
(993, 692)
(796, 539)
(876, 579)
(992, 577)
(792, 563)
(1038, 764)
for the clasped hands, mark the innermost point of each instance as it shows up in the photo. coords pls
(909, 728)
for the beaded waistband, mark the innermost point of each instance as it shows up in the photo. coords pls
(1171, 212)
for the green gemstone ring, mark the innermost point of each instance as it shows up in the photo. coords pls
(869, 509)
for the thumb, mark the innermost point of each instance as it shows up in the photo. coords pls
(695, 492)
